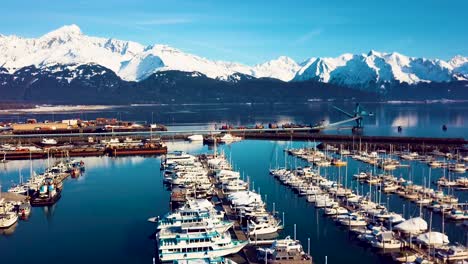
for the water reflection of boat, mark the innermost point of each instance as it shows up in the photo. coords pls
(10, 230)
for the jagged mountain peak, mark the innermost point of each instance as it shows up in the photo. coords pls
(458, 60)
(64, 31)
(132, 61)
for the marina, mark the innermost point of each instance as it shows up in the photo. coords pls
(318, 211)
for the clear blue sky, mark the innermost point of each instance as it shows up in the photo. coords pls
(254, 31)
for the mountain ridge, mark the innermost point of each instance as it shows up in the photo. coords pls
(132, 61)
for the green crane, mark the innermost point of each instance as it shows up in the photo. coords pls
(357, 115)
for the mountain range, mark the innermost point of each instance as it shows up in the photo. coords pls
(66, 55)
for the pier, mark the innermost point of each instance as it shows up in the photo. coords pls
(76, 144)
(13, 197)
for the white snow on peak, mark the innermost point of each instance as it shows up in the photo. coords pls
(132, 61)
(367, 69)
(283, 68)
(162, 57)
(320, 69)
(66, 45)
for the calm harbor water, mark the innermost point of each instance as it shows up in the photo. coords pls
(101, 217)
(422, 119)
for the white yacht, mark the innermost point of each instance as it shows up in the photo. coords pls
(453, 253)
(335, 210)
(19, 189)
(193, 246)
(236, 185)
(228, 138)
(458, 168)
(263, 226)
(201, 218)
(8, 219)
(195, 138)
(111, 141)
(48, 141)
(386, 240)
(284, 251)
(352, 220)
(360, 176)
(194, 228)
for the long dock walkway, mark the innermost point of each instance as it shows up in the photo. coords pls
(248, 254)
(13, 197)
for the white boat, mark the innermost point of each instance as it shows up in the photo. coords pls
(410, 156)
(313, 198)
(228, 138)
(435, 164)
(458, 168)
(193, 246)
(236, 185)
(263, 226)
(457, 214)
(390, 187)
(111, 141)
(335, 210)
(19, 189)
(432, 238)
(325, 202)
(453, 253)
(131, 141)
(413, 226)
(352, 220)
(284, 251)
(195, 138)
(386, 240)
(8, 219)
(48, 141)
(24, 209)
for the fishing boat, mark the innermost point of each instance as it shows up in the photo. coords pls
(284, 251)
(48, 195)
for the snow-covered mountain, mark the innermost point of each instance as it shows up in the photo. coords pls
(367, 70)
(131, 61)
